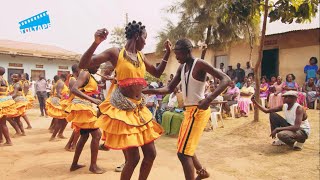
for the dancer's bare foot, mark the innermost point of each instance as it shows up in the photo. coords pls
(7, 144)
(53, 139)
(17, 135)
(76, 167)
(96, 170)
(29, 127)
(61, 136)
(23, 134)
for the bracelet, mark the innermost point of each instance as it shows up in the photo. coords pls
(165, 60)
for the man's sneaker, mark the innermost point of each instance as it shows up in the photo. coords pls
(120, 168)
(297, 146)
(277, 143)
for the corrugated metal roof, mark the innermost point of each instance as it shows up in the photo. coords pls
(36, 50)
(293, 31)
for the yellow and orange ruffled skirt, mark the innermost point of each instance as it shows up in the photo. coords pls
(7, 108)
(56, 107)
(81, 114)
(31, 100)
(124, 129)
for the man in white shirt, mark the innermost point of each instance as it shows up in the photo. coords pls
(248, 70)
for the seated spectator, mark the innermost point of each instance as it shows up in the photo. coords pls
(311, 91)
(272, 81)
(264, 88)
(291, 85)
(214, 108)
(245, 98)
(275, 98)
(232, 96)
(173, 100)
(152, 101)
(240, 84)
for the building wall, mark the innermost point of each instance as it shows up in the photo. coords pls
(51, 67)
(293, 60)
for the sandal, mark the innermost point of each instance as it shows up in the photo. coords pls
(202, 174)
(277, 143)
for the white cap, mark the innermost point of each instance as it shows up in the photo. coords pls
(291, 93)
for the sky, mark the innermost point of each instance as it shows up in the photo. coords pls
(74, 22)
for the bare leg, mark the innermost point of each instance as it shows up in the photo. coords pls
(77, 153)
(96, 135)
(1, 137)
(68, 145)
(52, 124)
(188, 166)
(71, 145)
(63, 124)
(15, 126)
(149, 152)
(133, 158)
(20, 125)
(25, 117)
(5, 131)
(56, 129)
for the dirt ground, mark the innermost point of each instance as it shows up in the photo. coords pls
(240, 150)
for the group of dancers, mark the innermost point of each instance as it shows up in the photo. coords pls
(122, 120)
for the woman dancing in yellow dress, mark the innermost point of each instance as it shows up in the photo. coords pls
(126, 121)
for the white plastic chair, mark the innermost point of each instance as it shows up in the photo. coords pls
(263, 102)
(215, 116)
(233, 110)
(316, 103)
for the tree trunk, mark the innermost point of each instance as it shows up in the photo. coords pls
(251, 44)
(257, 68)
(207, 41)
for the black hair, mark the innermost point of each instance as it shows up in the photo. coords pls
(75, 68)
(132, 28)
(56, 78)
(293, 77)
(64, 76)
(222, 64)
(184, 44)
(315, 59)
(26, 76)
(2, 70)
(265, 78)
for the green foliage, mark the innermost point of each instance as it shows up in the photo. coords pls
(218, 17)
(118, 37)
(148, 77)
(289, 10)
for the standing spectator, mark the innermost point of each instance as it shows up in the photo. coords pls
(152, 101)
(311, 69)
(231, 73)
(240, 74)
(41, 91)
(248, 69)
(222, 67)
(48, 87)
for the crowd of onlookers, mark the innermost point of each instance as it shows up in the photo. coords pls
(241, 89)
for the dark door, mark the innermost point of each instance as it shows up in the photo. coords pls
(270, 63)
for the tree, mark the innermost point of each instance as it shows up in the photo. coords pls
(118, 37)
(207, 21)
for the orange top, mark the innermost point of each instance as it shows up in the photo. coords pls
(127, 74)
(91, 87)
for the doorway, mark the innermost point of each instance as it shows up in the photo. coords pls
(221, 59)
(35, 74)
(270, 63)
(13, 71)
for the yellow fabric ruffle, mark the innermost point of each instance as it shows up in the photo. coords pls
(20, 108)
(7, 108)
(131, 118)
(31, 100)
(82, 116)
(54, 110)
(125, 129)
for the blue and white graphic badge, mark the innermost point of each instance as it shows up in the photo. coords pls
(35, 23)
